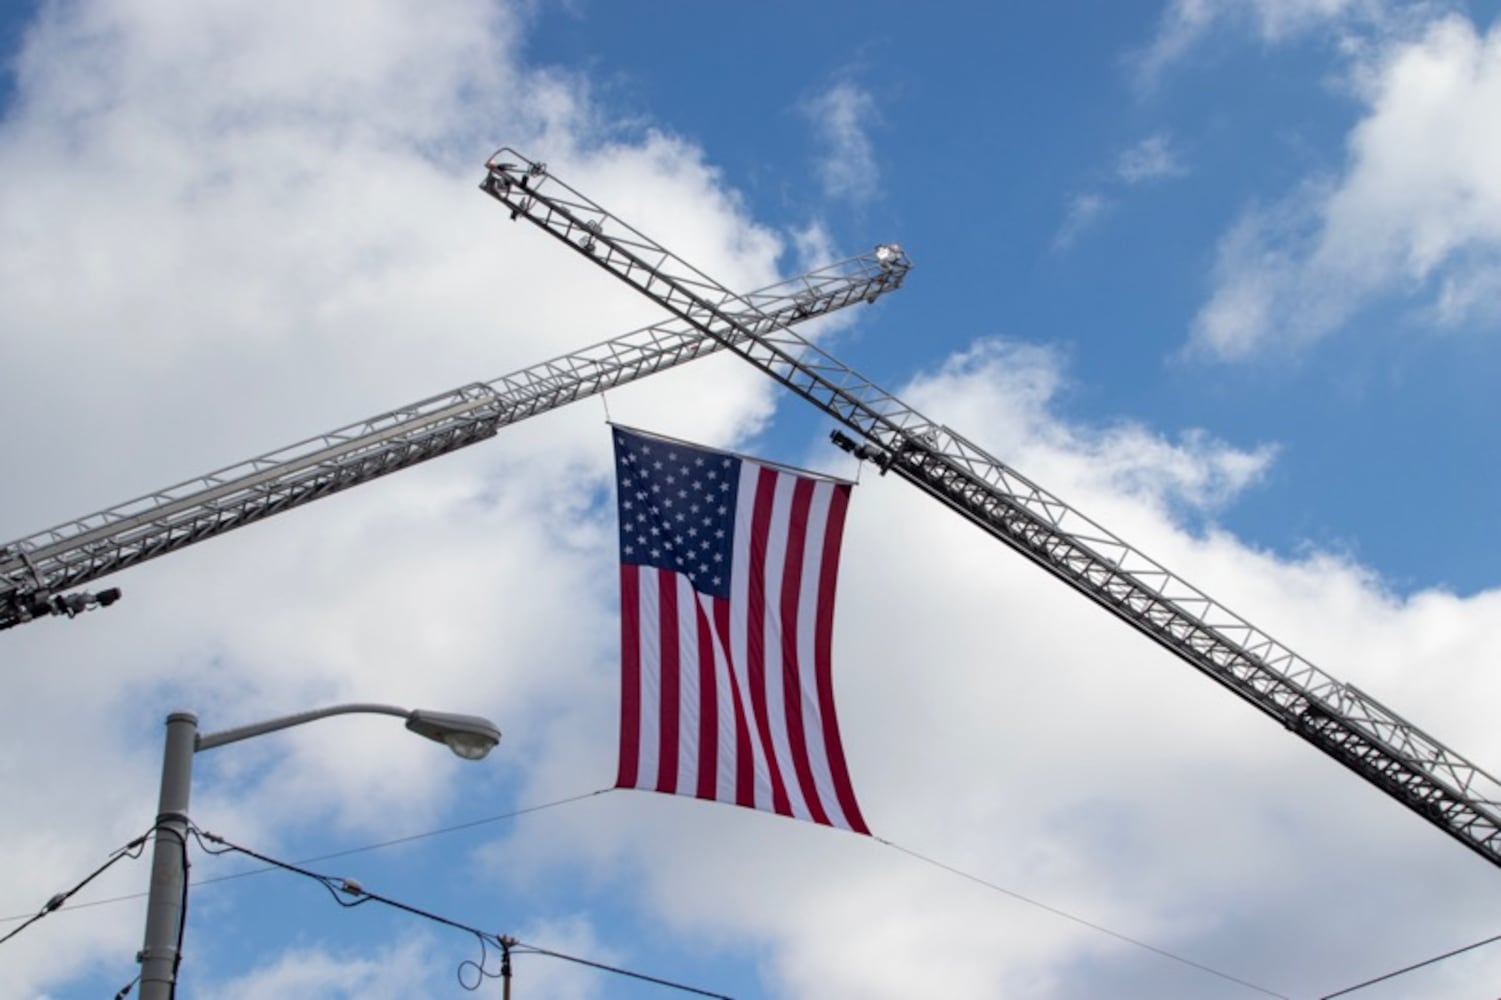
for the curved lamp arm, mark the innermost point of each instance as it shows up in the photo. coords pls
(469, 736)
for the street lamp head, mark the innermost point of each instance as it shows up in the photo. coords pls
(469, 736)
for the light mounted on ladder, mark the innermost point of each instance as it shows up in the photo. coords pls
(499, 173)
(75, 604)
(879, 457)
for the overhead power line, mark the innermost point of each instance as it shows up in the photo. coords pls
(133, 849)
(395, 841)
(130, 850)
(270, 866)
(1409, 968)
(1101, 928)
(357, 894)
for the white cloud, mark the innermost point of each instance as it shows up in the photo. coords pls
(1185, 24)
(405, 970)
(1084, 211)
(1471, 293)
(575, 936)
(428, 962)
(1414, 214)
(1153, 158)
(842, 117)
(1196, 474)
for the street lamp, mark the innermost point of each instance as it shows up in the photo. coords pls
(469, 736)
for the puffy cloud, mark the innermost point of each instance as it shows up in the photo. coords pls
(401, 971)
(842, 117)
(413, 964)
(1196, 474)
(1184, 24)
(1415, 213)
(1084, 210)
(1153, 158)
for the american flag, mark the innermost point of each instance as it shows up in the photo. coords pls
(727, 574)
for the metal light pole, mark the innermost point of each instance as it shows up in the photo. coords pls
(469, 736)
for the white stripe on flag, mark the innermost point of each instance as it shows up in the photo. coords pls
(724, 696)
(688, 684)
(740, 597)
(817, 739)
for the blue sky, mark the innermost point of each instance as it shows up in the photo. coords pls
(1057, 193)
(1223, 275)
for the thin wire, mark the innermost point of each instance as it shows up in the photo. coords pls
(1080, 920)
(182, 911)
(131, 850)
(335, 887)
(469, 824)
(352, 888)
(1415, 965)
(522, 948)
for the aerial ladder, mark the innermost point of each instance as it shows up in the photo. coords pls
(38, 571)
(1339, 719)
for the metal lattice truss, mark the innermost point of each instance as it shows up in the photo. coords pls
(1340, 720)
(37, 569)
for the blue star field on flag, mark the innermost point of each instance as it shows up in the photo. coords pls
(677, 505)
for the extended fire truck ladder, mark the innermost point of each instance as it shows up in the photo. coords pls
(1343, 722)
(35, 571)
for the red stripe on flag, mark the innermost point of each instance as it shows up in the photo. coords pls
(708, 708)
(792, 691)
(667, 632)
(756, 601)
(630, 677)
(823, 654)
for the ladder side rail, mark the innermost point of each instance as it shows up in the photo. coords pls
(347, 444)
(840, 285)
(1341, 721)
(90, 547)
(1391, 754)
(1230, 629)
(170, 526)
(529, 191)
(666, 345)
(291, 489)
(808, 296)
(81, 530)
(1412, 742)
